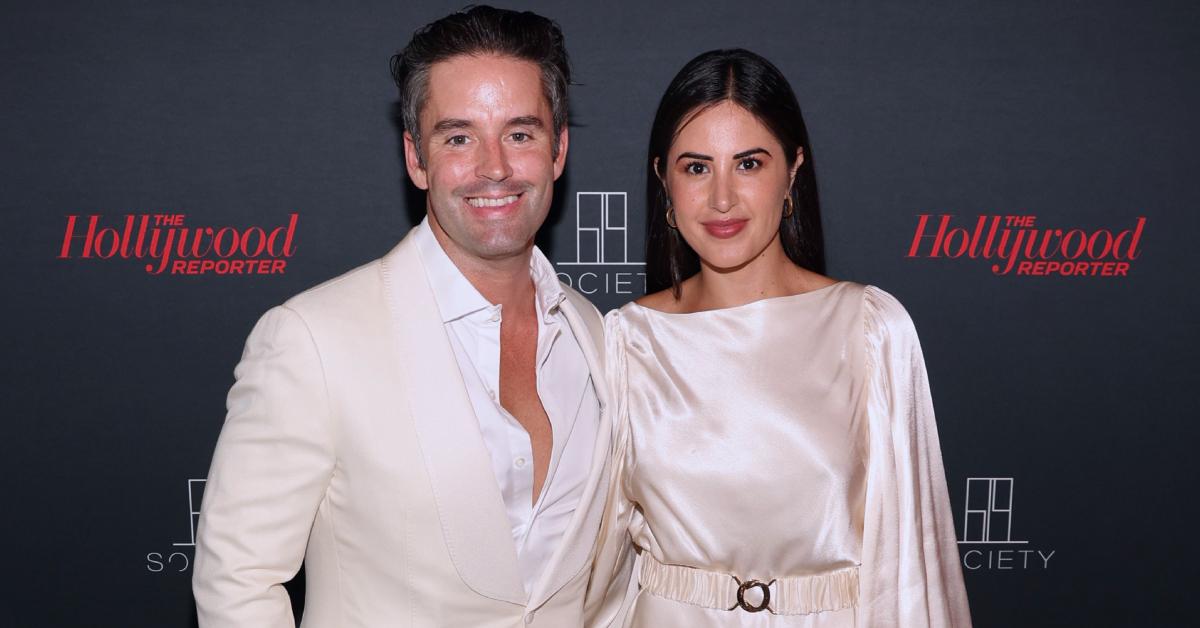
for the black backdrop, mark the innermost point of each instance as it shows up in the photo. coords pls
(1062, 400)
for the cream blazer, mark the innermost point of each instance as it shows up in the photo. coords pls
(350, 446)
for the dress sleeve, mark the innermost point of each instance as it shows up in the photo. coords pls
(910, 575)
(612, 588)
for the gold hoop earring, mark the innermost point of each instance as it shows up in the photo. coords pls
(671, 215)
(788, 209)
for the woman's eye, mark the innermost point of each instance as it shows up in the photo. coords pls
(749, 164)
(695, 168)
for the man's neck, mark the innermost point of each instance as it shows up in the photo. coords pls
(503, 281)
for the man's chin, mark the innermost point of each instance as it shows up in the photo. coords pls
(495, 242)
(503, 249)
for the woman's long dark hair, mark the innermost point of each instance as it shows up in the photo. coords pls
(753, 83)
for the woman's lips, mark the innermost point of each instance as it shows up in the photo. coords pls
(724, 228)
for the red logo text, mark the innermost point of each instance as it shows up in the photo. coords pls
(172, 248)
(1018, 246)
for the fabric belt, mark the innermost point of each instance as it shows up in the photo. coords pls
(794, 595)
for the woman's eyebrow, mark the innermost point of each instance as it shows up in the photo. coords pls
(753, 151)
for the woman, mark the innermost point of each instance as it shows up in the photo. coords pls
(779, 460)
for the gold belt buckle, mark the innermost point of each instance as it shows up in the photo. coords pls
(746, 586)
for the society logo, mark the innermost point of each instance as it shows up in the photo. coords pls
(987, 530)
(602, 261)
(178, 558)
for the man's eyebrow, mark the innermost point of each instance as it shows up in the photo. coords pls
(450, 124)
(693, 156)
(532, 121)
(753, 151)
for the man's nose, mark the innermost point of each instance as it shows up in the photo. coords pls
(493, 161)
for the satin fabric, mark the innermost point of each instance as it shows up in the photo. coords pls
(792, 436)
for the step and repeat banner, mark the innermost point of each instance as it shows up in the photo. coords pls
(1021, 175)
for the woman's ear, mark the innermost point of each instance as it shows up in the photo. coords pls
(796, 166)
(658, 173)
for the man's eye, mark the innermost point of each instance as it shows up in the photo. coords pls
(456, 140)
(695, 168)
(520, 136)
(749, 164)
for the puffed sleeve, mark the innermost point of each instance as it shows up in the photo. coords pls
(272, 464)
(612, 589)
(910, 576)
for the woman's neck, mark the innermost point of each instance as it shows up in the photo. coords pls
(769, 274)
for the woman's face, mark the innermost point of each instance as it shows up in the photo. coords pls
(727, 178)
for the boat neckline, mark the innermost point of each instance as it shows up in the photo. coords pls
(733, 308)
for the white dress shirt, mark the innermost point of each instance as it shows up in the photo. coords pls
(564, 385)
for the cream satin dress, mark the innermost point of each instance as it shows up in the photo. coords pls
(788, 441)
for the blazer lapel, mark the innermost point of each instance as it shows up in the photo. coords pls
(575, 550)
(474, 520)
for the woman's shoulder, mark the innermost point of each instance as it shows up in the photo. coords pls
(620, 317)
(884, 310)
(663, 301)
(887, 327)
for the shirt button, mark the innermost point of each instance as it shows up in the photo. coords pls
(492, 394)
(495, 317)
(519, 463)
(529, 617)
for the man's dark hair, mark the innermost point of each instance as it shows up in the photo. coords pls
(480, 30)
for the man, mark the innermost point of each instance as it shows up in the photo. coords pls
(426, 433)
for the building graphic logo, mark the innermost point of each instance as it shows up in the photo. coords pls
(177, 559)
(195, 495)
(603, 261)
(987, 517)
(987, 528)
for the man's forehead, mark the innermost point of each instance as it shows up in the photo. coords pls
(466, 85)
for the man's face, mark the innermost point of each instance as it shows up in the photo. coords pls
(487, 136)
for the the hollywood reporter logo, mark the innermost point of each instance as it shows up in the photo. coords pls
(170, 247)
(1017, 245)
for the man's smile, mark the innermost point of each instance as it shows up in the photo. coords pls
(485, 201)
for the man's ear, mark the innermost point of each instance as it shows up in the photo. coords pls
(416, 171)
(561, 160)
